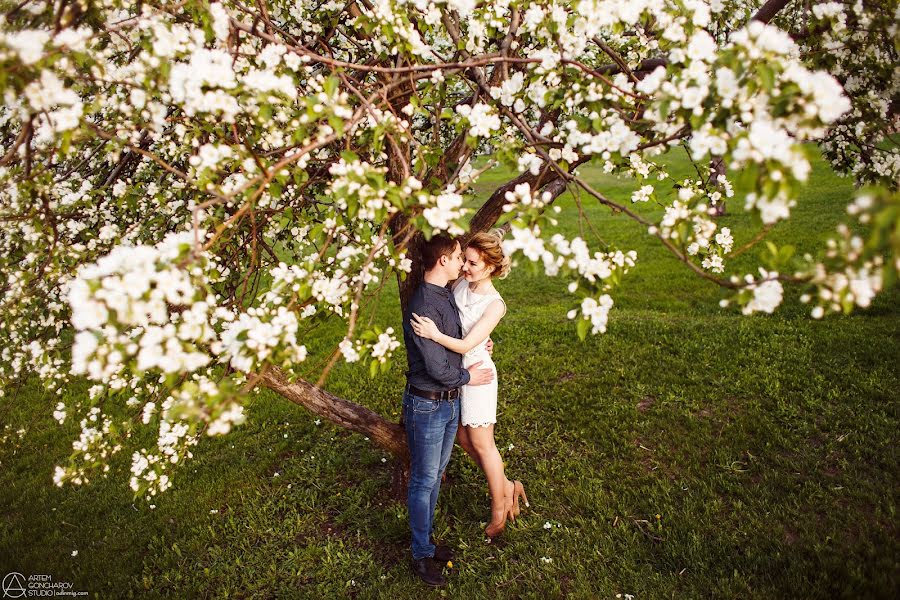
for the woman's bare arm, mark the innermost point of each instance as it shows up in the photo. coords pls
(480, 332)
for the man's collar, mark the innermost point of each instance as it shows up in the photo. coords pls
(436, 288)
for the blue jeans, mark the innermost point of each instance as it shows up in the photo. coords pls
(430, 431)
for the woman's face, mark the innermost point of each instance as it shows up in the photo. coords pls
(474, 268)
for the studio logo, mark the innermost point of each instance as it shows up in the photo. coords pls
(14, 585)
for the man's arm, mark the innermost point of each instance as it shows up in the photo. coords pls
(480, 331)
(437, 359)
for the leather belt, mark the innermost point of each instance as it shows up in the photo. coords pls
(445, 395)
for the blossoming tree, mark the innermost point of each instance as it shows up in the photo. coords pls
(189, 189)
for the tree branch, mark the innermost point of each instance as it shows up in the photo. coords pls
(768, 10)
(344, 413)
(492, 209)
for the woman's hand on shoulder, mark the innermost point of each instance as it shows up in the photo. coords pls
(424, 327)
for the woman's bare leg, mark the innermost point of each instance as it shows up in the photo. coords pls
(482, 439)
(462, 436)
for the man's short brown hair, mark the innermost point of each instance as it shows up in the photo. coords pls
(440, 244)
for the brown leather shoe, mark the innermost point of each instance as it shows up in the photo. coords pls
(429, 571)
(442, 553)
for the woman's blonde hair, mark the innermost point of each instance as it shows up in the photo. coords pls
(490, 249)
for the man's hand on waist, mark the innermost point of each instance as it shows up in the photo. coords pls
(480, 376)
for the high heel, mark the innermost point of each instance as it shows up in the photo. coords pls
(498, 519)
(518, 492)
(509, 494)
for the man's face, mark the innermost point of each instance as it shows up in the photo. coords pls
(455, 262)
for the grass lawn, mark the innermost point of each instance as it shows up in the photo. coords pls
(688, 452)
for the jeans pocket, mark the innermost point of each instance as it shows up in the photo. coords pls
(424, 405)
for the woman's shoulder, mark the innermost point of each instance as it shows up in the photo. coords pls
(494, 294)
(496, 298)
(489, 296)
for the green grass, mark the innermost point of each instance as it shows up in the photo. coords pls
(689, 452)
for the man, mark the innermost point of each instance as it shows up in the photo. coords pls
(431, 399)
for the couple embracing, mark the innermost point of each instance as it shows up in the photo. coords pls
(451, 390)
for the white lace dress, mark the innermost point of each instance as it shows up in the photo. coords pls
(478, 402)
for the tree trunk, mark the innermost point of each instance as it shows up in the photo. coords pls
(408, 285)
(349, 415)
(546, 180)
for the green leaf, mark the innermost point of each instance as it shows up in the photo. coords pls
(275, 190)
(582, 327)
(664, 109)
(65, 142)
(785, 254)
(766, 76)
(746, 180)
(331, 85)
(337, 124)
(888, 276)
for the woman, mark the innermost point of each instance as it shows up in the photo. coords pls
(480, 309)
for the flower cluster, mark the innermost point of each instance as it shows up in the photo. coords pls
(482, 119)
(593, 273)
(122, 312)
(93, 446)
(750, 103)
(524, 200)
(762, 294)
(854, 41)
(851, 272)
(688, 222)
(444, 211)
(385, 345)
(361, 190)
(373, 345)
(595, 312)
(256, 335)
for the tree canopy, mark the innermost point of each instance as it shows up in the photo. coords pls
(189, 189)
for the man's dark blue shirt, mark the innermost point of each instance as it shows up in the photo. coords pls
(431, 366)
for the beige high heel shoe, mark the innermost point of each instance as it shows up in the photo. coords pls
(518, 492)
(498, 519)
(510, 495)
